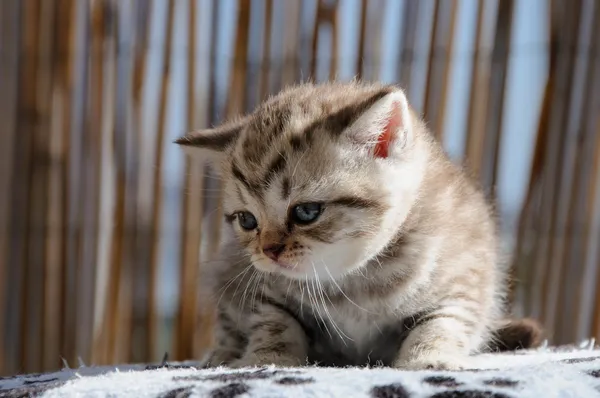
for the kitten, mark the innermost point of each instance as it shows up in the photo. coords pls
(356, 239)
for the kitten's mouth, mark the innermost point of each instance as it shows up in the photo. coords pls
(278, 266)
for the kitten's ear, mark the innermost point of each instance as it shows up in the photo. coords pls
(385, 127)
(210, 144)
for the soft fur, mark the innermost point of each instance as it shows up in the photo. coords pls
(400, 269)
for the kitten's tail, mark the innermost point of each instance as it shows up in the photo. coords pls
(517, 334)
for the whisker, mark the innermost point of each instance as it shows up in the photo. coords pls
(341, 291)
(287, 292)
(301, 295)
(316, 305)
(336, 328)
(243, 301)
(241, 280)
(224, 288)
(255, 288)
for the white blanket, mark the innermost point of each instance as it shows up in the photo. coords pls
(563, 372)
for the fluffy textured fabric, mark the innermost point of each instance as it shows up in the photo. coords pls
(562, 372)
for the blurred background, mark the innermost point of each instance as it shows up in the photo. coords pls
(103, 222)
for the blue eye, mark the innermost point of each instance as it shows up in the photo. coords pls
(247, 220)
(306, 213)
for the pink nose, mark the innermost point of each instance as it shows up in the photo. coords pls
(273, 250)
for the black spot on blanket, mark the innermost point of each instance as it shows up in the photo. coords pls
(31, 390)
(260, 374)
(182, 392)
(231, 390)
(39, 381)
(594, 373)
(579, 360)
(168, 367)
(499, 382)
(294, 380)
(480, 370)
(390, 391)
(469, 394)
(442, 381)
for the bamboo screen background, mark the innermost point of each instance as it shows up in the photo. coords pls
(103, 222)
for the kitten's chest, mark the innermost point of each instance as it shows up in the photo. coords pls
(351, 336)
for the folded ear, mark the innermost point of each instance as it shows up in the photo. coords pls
(211, 144)
(385, 127)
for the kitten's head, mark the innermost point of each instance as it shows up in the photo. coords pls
(319, 178)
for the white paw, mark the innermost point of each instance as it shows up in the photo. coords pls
(434, 361)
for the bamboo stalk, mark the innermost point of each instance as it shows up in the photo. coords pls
(138, 237)
(111, 202)
(75, 176)
(521, 269)
(478, 98)
(291, 63)
(362, 38)
(58, 147)
(266, 59)
(92, 141)
(593, 203)
(157, 180)
(440, 53)
(28, 115)
(9, 127)
(374, 36)
(130, 78)
(409, 40)
(325, 14)
(118, 331)
(556, 160)
(333, 63)
(495, 110)
(191, 218)
(42, 163)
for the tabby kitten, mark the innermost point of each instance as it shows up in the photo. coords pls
(356, 239)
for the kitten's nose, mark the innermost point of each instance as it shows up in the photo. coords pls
(273, 250)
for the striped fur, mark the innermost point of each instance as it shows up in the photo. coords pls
(401, 268)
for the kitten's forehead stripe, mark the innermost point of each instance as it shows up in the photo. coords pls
(286, 188)
(266, 125)
(275, 167)
(252, 188)
(298, 143)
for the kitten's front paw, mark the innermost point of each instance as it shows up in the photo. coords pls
(433, 361)
(218, 357)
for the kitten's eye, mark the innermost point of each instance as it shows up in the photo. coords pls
(247, 220)
(306, 213)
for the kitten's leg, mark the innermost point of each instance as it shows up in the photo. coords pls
(275, 338)
(442, 339)
(229, 342)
